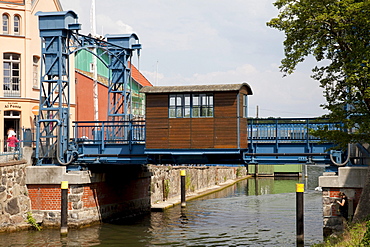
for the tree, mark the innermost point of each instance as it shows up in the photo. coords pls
(337, 34)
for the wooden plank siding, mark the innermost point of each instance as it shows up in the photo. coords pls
(202, 133)
(157, 122)
(179, 133)
(219, 131)
(225, 113)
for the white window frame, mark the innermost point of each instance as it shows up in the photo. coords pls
(199, 105)
(17, 25)
(5, 24)
(35, 72)
(12, 74)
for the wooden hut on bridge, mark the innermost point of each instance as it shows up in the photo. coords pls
(207, 118)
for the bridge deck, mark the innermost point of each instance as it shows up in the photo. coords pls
(270, 142)
(286, 140)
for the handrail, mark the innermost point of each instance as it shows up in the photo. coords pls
(104, 132)
(283, 129)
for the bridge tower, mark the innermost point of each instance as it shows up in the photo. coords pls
(60, 39)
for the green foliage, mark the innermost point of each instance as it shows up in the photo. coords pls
(188, 185)
(366, 239)
(239, 171)
(336, 33)
(32, 221)
(352, 236)
(166, 188)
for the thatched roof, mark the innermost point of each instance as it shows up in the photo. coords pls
(197, 88)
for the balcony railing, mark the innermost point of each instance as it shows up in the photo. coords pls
(11, 87)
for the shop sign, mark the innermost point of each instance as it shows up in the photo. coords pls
(12, 105)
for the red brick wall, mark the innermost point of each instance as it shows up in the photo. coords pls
(45, 197)
(48, 197)
(85, 99)
(333, 195)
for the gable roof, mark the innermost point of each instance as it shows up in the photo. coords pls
(197, 88)
(138, 77)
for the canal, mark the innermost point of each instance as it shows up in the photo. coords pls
(253, 212)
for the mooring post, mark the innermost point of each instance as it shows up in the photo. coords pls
(183, 200)
(64, 208)
(299, 212)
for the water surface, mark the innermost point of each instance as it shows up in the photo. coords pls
(253, 212)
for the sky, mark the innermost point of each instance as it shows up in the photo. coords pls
(198, 42)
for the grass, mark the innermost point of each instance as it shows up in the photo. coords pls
(352, 236)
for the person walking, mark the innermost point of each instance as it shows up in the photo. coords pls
(343, 205)
(10, 132)
(12, 144)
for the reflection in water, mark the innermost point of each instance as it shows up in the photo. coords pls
(253, 212)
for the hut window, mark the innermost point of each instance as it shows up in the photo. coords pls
(190, 105)
(202, 105)
(176, 105)
(187, 109)
(245, 105)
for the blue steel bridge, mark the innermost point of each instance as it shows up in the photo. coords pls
(123, 140)
(271, 141)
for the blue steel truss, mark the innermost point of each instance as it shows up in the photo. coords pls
(60, 39)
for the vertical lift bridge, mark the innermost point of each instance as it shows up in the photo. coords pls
(120, 140)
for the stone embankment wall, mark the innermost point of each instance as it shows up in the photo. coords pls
(119, 193)
(14, 200)
(94, 197)
(165, 181)
(349, 180)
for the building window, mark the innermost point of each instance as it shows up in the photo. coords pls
(245, 105)
(12, 114)
(36, 60)
(92, 67)
(190, 105)
(17, 24)
(11, 72)
(5, 24)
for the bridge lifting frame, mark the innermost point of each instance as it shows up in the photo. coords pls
(60, 39)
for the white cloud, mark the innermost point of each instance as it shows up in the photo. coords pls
(211, 42)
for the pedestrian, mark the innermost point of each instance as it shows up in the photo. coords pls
(10, 132)
(343, 205)
(12, 143)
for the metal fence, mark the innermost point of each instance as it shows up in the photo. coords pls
(7, 154)
(286, 129)
(110, 131)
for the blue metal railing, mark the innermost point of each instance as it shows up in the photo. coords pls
(287, 140)
(104, 132)
(285, 129)
(7, 154)
(270, 141)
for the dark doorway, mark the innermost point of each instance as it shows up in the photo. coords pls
(11, 120)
